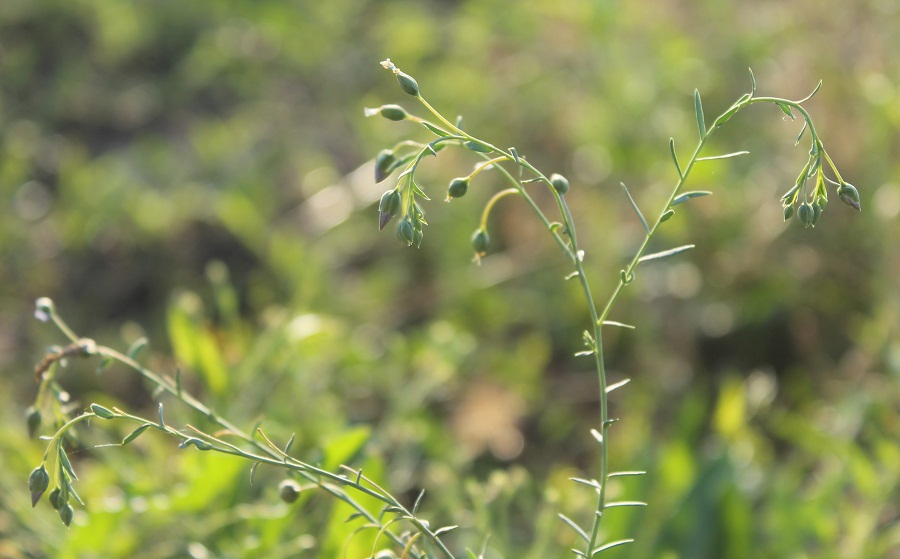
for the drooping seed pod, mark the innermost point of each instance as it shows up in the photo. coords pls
(560, 183)
(383, 162)
(289, 491)
(458, 187)
(480, 241)
(408, 84)
(388, 207)
(849, 195)
(32, 420)
(406, 232)
(392, 112)
(66, 512)
(805, 214)
(53, 497)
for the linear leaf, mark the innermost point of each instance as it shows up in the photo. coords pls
(808, 97)
(685, 196)
(574, 526)
(725, 156)
(610, 545)
(675, 158)
(619, 384)
(624, 474)
(435, 129)
(589, 482)
(800, 135)
(636, 209)
(615, 504)
(698, 108)
(752, 82)
(618, 324)
(445, 529)
(135, 434)
(665, 253)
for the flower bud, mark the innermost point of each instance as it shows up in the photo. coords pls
(38, 482)
(392, 112)
(849, 195)
(66, 512)
(788, 212)
(560, 183)
(383, 162)
(458, 187)
(32, 420)
(406, 232)
(289, 491)
(805, 214)
(480, 241)
(408, 84)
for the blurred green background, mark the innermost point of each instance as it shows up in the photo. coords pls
(198, 173)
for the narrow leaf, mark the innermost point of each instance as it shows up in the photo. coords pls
(136, 347)
(636, 209)
(574, 526)
(64, 462)
(515, 154)
(135, 434)
(808, 97)
(800, 135)
(253, 469)
(475, 146)
(584, 353)
(619, 384)
(698, 108)
(666, 216)
(665, 253)
(105, 362)
(685, 196)
(589, 482)
(618, 324)
(675, 158)
(445, 529)
(418, 191)
(610, 545)
(434, 129)
(615, 504)
(290, 443)
(162, 423)
(415, 508)
(725, 156)
(597, 435)
(752, 82)
(625, 474)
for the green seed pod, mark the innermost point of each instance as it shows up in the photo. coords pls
(53, 497)
(849, 195)
(289, 491)
(406, 232)
(38, 482)
(788, 212)
(66, 512)
(408, 84)
(805, 214)
(481, 241)
(560, 183)
(101, 412)
(458, 187)
(32, 420)
(393, 112)
(394, 202)
(388, 207)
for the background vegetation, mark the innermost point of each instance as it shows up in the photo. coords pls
(197, 172)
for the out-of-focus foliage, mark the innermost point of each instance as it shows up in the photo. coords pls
(196, 172)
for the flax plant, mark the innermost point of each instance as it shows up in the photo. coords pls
(401, 532)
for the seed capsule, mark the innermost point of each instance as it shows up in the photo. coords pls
(289, 490)
(849, 195)
(393, 112)
(38, 482)
(33, 420)
(458, 187)
(560, 183)
(408, 84)
(788, 212)
(480, 241)
(806, 214)
(53, 497)
(406, 232)
(66, 512)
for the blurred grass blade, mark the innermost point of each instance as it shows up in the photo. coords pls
(636, 209)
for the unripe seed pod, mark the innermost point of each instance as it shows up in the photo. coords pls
(560, 183)
(392, 112)
(383, 162)
(406, 232)
(38, 482)
(849, 195)
(788, 212)
(408, 84)
(394, 202)
(66, 512)
(480, 241)
(458, 187)
(289, 490)
(805, 214)
(388, 207)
